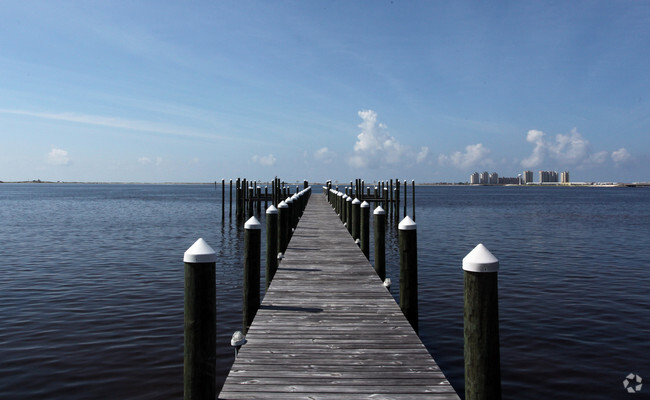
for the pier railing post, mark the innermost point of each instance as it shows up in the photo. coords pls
(271, 243)
(408, 271)
(413, 197)
(223, 198)
(365, 228)
(356, 219)
(348, 213)
(379, 216)
(200, 324)
(481, 325)
(252, 240)
(283, 226)
(251, 194)
(291, 214)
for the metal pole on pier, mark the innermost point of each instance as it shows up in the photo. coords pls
(200, 325)
(481, 325)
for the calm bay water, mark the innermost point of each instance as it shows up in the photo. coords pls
(91, 295)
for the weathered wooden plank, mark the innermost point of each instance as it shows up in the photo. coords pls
(328, 329)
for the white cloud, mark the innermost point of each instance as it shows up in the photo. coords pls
(535, 159)
(422, 155)
(119, 123)
(374, 145)
(58, 157)
(147, 161)
(621, 156)
(475, 154)
(265, 160)
(325, 155)
(570, 149)
(599, 157)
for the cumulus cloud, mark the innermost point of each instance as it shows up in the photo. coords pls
(422, 155)
(375, 147)
(325, 155)
(58, 157)
(148, 161)
(570, 149)
(474, 154)
(621, 156)
(265, 160)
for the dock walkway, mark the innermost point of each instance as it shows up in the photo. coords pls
(328, 329)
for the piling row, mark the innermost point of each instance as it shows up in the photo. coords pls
(481, 319)
(280, 224)
(249, 197)
(387, 193)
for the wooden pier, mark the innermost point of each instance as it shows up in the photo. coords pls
(328, 329)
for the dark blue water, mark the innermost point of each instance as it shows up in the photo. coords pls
(91, 294)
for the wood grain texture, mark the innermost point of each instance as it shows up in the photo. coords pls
(328, 329)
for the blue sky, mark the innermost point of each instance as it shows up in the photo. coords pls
(432, 91)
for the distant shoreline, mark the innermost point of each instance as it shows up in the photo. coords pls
(217, 183)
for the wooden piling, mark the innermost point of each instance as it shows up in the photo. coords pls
(252, 240)
(283, 226)
(379, 220)
(397, 193)
(223, 198)
(356, 218)
(271, 243)
(200, 325)
(408, 275)
(405, 197)
(238, 200)
(481, 325)
(230, 213)
(365, 228)
(413, 197)
(348, 212)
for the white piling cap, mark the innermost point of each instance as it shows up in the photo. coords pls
(407, 224)
(365, 204)
(349, 199)
(253, 223)
(283, 205)
(272, 210)
(200, 252)
(345, 196)
(379, 211)
(289, 200)
(356, 201)
(480, 260)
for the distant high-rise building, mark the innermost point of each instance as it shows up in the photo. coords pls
(547, 176)
(485, 178)
(494, 178)
(528, 176)
(564, 177)
(474, 179)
